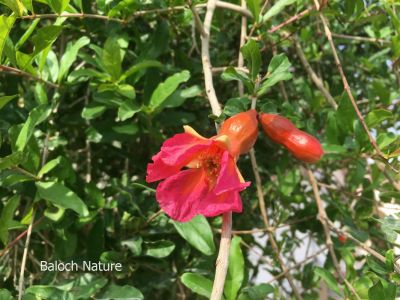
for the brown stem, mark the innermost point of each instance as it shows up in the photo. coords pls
(265, 218)
(20, 236)
(323, 218)
(17, 72)
(291, 20)
(223, 257)
(298, 264)
(197, 20)
(71, 15)
(360, 38)
(346, 86)
(371, 251)
(24, 256)
(314, 77)
(243, 33)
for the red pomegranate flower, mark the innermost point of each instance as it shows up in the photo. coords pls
(200, 176)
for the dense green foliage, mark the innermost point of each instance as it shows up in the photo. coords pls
(85, 101)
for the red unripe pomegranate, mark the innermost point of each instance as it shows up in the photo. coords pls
(242, 130)
(303, 146)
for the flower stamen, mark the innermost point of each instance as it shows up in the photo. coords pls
(210, 161)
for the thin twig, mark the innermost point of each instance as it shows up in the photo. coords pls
(31, 225)
(151, 218)
(197, 20)
(323, 218)
(371, 251)
(281, 84)
(71, 15)
(346, 86)
(265, 218)
(291, 20)
(234, 7)
(20, 236)
(243, 33)
(255, 25)
(24, 256)
(222, 69)
(223, 258)
(17, 72)
(136, 14)
(26, 173)
(205, 58)
(88, 148)
(314, 77)
(298, 264)
(360, 38)
(269, 229)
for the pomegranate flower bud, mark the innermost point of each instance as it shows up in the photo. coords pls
(242, 130)
(282, 131)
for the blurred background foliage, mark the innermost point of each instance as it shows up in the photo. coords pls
(89, 90)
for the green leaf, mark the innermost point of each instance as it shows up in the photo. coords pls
(50, 165)
(377, 116)
(377, 266)
(129, 129)
(329, 279)
(390, 259)
(70, 56)
(276, 9)
(15, 5)
(166, 88)
(45, 37)
(6, 217)
(345, 114)
(58, 6)
(6, 23)
(236, 105)
(128, 109)
(5, 295)
(230, 73)
(111, 57)
(278, 64)
(362, 285)
(255, 8)
(235, 275)
(134, 245)
(48, 292)
(139, 67)
(180, 96)
(36, 116)
(86, 285)
(386, 139)
(93, 111)
(251, 53)
(121, 292)
(198, 284)
(10, 160)
(27, 34)
(40, 94)
(390, 227)
(382, 290)
(332, 130)
(278, 70)
(5, 99)
(159, 249)
(197, 232)
(62, 196)
(258, 292)
(334, 149)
